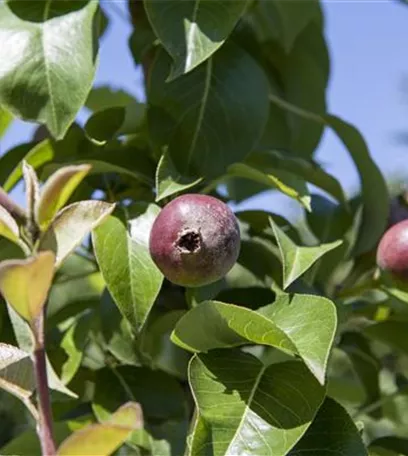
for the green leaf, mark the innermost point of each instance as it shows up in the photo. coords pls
(27, 441)
(132, 278)
(25, 341)
(72, 225)
(397, 444)
(8, 226)
(366, 365)
(211, 118)
(16, 372)
(247, 408)
(38, 68)
(297, 260)
(104, 97)
(57, 191)
(103, 439)
(332, 432)
(101, 167)
(160, 395)
(290, 185)
(73, 343)
(284, 21)
(286, 324)
(25, 284)
(5, 120)
(390, 332)
(373, 187)
(157, 348)
(213, 324)
(307, 169)
(192, 31)
(310, 322)
(169, 181)
(104, 125)
(36, 157)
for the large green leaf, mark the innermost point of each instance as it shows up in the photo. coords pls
(296, 260)
(208, 127)
(299, 324)
(247, 408)
(132, 278)
(332, 432)
(373, 187)
(191, 31)
(283, 21)
(38, 70)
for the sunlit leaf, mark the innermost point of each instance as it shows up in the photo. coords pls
(57, 191)
(247, 408)
(296, 260)
(206, 27)
(132, 278)
(103, 439)
(25, 284)
(72, 225)
(38, 70)
(300, 324)
(290, 185)
(8, 226)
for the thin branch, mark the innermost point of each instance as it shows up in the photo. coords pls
(44, 423)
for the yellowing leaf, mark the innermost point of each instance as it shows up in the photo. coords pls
(25, 283)
(8, 226)
(103, 439)
(57, 191)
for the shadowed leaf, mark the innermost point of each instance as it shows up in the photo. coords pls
(16, 371)
(247, 408)
(169, 181)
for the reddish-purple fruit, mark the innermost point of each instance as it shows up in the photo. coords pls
(392, 251)
(195, 240)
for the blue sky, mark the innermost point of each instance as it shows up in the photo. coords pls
(367, 42)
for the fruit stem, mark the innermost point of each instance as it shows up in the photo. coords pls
(44, 424)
